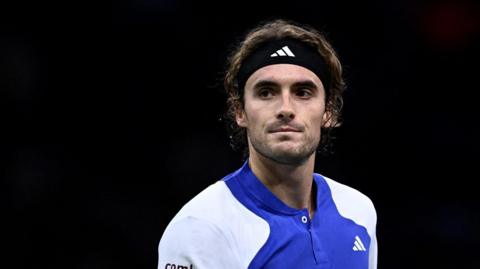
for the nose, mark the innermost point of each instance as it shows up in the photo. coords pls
(286, 111)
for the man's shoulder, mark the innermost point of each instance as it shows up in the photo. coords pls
(345, 192)
(353, 204)
(217, 206)
(215, 218)
(205, 205)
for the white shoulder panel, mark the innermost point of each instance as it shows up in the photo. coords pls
(354, 205)
(216, 225)
(372, 257)
(194, 243)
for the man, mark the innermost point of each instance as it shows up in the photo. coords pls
(284, 84)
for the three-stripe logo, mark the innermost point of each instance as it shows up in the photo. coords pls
(285, 51)
(358, 244)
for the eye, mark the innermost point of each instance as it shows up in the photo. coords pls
(304, 92)
(265, 92)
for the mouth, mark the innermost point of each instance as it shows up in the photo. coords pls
(285, 129)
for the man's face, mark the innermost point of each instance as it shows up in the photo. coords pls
(284, 112)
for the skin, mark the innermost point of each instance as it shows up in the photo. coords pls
(283, 114)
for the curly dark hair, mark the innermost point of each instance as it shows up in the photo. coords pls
(279, 29)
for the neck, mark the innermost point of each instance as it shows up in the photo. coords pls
(292, 184)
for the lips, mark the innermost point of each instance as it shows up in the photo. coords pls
(285, 129)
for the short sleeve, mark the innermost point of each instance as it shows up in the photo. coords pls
(373, 252)
(195, 243)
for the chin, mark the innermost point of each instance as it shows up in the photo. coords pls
(293, 156)
(289, 148)
(289, 158)
(285, 152)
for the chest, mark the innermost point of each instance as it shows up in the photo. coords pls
(333, 242)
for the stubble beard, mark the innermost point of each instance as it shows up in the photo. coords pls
(293, 156)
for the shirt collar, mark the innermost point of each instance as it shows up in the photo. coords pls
(255, 189)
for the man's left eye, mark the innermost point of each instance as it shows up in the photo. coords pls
(304, 93)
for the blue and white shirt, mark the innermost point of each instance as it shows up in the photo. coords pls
(237, 223)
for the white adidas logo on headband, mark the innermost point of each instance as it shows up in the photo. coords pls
(285, 51)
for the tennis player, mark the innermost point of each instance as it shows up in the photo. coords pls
(284, 85)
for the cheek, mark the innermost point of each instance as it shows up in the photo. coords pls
(316, 124)
(256, 116)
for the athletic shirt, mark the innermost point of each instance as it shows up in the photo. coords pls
(238, 223)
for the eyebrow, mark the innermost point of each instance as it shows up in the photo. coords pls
(265, 83)
(270, 83)
(306, 83)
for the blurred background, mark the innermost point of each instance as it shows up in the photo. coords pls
(110, 122)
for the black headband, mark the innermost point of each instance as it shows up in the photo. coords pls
(284, 51)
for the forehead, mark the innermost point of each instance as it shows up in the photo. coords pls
(283, 74)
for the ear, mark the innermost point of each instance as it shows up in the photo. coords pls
(240, 117)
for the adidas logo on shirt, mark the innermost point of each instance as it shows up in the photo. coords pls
(285, 51)
(358, 245)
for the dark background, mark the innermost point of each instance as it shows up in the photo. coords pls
(109, 120)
